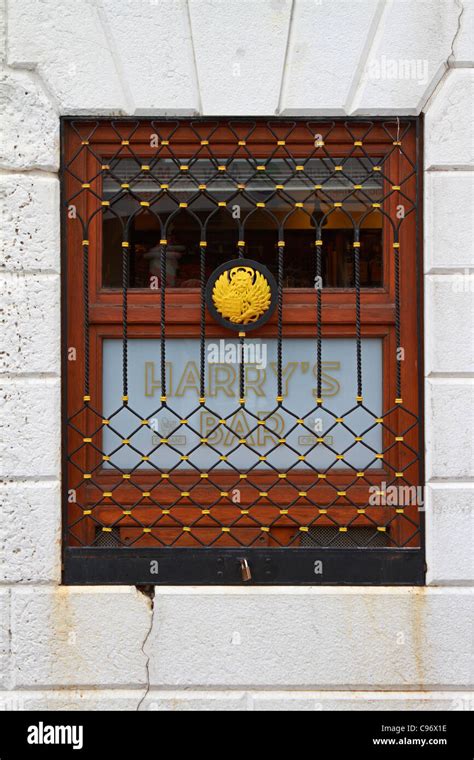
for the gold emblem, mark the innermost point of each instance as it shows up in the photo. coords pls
(241, 295)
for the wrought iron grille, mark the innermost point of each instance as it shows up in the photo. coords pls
(208, 487)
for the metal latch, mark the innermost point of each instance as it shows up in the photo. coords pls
(245, 570)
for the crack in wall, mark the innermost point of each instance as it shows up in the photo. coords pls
(451, 56)
(149, 592)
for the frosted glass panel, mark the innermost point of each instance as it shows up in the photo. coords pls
(222, 401)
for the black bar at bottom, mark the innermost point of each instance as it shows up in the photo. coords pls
(308, 566)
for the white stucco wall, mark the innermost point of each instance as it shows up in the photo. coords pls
(308, 648)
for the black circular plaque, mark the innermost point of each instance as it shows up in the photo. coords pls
(241, 294)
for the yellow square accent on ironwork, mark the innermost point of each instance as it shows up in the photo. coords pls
(302, 493)
(303, 528)
(165, 475)
(106, 422)
(87, 440)
(222, 204)
(360, 474)
(225, 530)
(202, 187)
(87, 476)
(323, 511)
(205, 511)
(357, 187)
(299, 205)
(379, 456)
(242, 475)
(127, 512)
(223, 458)
(87, 512)
(361, 511)
(145, 458)
(283, 511)
(399, 474)
(145, 493)
(395, 187)
(242, 142)
(242, 440)
(204, 475)
(126, 476)
(341, 493)
(281, 142)
(343, 530)
(125, 142)
(144, 203)
(222, 168)
(377, 168)
(105, 203)
(322, 475)
(186, 529)
(382, 529)
(222, 422)
(282, 474)
(302, 457)
(399, 438)
(265, 530)
(358, 143)
(358, 438)
(185, 493)
(279, 187)
(204, 142)
(145, 168)
(106, 530)
(105, 458)
(184, 457)
(400, 511)
(184, 168)
(86, 185)
(107, 494)
(338, 168)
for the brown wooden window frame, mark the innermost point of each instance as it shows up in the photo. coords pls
(86, 563)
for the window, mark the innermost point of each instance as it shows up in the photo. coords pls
(242, 351)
